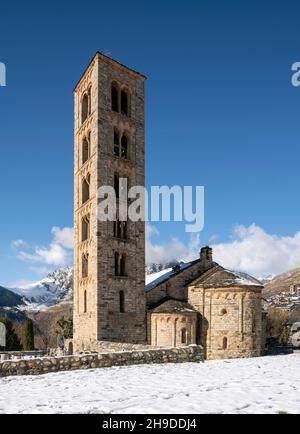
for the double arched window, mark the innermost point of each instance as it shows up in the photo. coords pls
(120, 229)
(86, 105)
(120, 264)
(119, 99)
(120, 144)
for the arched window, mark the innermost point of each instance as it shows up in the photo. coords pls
(114, 98)
(85, 107)
(122, 301)
(85, 228)
(116, 144)
(124, 146)
(85, 149)
(123, 265)
(183, 336)
(124, 103)
(120, 229)
(86, 189)
(116, 184)
(85, 265)
(84, 302)
(116, 264)
(224, 345)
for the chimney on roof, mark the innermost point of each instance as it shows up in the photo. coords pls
(206, 254)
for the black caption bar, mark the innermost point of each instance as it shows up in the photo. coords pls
(100, 423)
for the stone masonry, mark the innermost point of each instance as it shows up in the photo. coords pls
(103, 360)
(97, 286)
(205, 304)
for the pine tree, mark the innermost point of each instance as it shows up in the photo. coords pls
(12, 340)
(64, 327)
(28, 339)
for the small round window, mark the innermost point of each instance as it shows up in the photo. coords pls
(223, 312)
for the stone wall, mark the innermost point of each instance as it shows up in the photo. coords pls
(8, 355)
(230, 321)
(103, 360)
(105, 346)
(173, 329)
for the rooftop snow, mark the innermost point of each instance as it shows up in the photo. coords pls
(154, 279)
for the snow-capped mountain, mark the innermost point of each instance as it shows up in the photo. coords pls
(55, 288)
(266, 279)
(156, 267)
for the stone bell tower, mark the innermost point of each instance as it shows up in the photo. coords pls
(109, 257)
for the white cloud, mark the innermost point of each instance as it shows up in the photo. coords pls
(53, 255)
(58, 253)
(254, 251)
(174, 250)
(64, 236)
(151, 230)
(251, 249)
(213, 237)
(17, 243)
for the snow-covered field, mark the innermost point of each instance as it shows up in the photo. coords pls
(259, 385)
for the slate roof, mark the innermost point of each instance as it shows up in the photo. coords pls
(172, 306)
(222, 278)
(216, 276)
(165, 275)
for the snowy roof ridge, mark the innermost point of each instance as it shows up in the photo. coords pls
(244, 278)
(164, 275)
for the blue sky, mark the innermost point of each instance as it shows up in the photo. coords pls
(220, 112)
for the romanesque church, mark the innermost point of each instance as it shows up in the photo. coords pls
(197, 303)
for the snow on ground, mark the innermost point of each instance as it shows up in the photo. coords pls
(259, 385)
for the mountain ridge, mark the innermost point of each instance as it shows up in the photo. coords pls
(283, 281)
